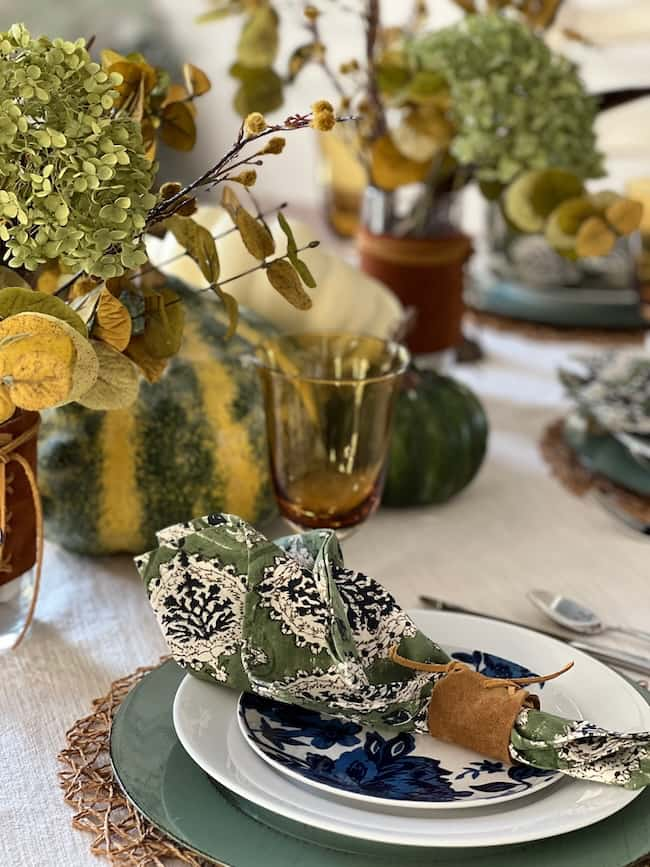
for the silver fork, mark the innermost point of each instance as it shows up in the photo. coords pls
(609, 504)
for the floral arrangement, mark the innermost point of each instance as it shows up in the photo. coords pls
(484, 99)
(82, 312)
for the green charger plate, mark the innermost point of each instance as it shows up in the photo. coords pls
(166, 786)
(603, 454)
(562, 307)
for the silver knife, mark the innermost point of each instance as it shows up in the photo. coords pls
(610, 655)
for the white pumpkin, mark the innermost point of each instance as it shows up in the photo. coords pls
(345, 299)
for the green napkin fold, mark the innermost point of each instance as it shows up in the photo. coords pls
(286, 620)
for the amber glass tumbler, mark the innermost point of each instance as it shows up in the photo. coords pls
(329, 402)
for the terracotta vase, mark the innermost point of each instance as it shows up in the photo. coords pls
(20, 536)
(427, 276)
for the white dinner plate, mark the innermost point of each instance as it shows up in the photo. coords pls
(206, 725)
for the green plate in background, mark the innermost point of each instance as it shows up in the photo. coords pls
(181, 800)
(603, 454)
(563, 307)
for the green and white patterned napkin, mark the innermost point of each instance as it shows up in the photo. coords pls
(613, 390)
(288, 621)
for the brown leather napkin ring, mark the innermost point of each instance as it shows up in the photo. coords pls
(474, 711)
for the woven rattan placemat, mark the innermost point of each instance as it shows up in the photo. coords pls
(566, 467)
(537, 331)
(119, 832)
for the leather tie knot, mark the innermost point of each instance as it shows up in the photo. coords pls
(472, 710)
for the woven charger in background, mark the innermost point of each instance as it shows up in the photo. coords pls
(124, 837)
(541, 332)
(576, 478)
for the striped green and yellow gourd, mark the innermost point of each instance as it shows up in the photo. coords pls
(192, 443)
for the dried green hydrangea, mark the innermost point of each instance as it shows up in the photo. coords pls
(75, 180)
(515, 103)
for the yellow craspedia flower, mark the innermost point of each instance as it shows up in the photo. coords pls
(322, 105)
(275, 145)
(255, 123)
(324, 121)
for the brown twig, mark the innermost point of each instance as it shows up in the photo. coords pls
(323, 62)
(378, 118)
(216, 174)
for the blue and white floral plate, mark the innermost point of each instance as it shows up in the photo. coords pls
(377, 766)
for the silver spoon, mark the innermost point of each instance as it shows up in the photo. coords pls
(575, 616)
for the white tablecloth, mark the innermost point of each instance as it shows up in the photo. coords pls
(515, 528)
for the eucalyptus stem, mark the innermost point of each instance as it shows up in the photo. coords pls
(259, 267)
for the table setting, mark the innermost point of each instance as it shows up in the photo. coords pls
(307, 555)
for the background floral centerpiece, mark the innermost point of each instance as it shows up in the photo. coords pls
(484, 100)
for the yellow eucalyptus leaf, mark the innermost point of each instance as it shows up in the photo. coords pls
(391, 169)
(564, 223)
(176, 93)
(112, 321)
(10, 279)
(7, 406)
(624, 215)
(261, 89)
(152, 368)
(425, 132)
(530, 199)
(49, 276)
(82, 286)
(178, 129)
(285, 279)
(44, 362)
(138, 80)
(196, 81)
(199, 244)
(258, 41)
(594, 238)
(257, 238)
(232, 309)
(110, 57)
(116, 386)
(164, 319)
(13, 301)
(37, 373)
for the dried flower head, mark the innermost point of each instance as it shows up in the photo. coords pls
(322, 105)
(348, 67)
(324, 121)
(255, 123)
(75, 178)
(515, 103)
(274, 145)
(311, 12)
(246, 179)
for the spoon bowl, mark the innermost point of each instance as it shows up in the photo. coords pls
(575, 616)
